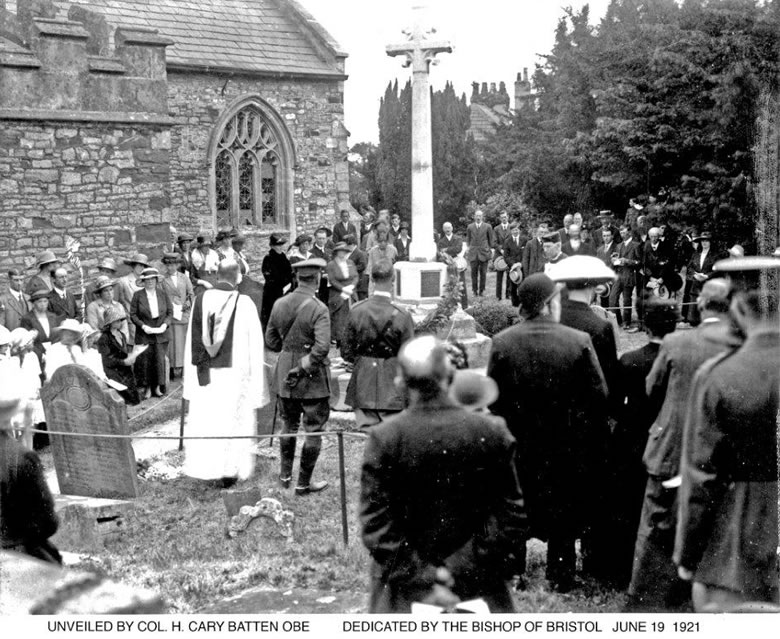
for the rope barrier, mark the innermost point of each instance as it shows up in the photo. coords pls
(151, 408)
(357, 435)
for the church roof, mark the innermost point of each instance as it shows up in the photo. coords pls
(277, 37)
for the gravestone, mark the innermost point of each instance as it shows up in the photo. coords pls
(76, 401)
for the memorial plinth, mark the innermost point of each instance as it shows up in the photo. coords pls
(419, 283)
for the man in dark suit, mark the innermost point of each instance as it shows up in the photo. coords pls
(394, 230)
(628, 477)
(654, 581)
(553, 396)
(343, 228)
(479, 238)
(533, 254)
(61, 301)
(607, 219)
(574, 245)
(513, 254)
(727, 534)
(360, 259)
(501, 234)
(448, 247)
(375, 331)
(625, 263)
(321, 250)
(440, 503)
(299, 329)
(13, 304)
(563, 232)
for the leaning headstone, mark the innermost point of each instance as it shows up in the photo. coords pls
(76, 401)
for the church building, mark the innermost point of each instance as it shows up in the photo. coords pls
(120, 119)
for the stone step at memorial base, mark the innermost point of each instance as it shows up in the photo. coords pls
(88, 523)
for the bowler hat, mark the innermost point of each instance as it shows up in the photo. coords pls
(102, 282)
(39, 293)
(472, 390)
(114, 314)
(277, 239)
(534, 292)
(47, 257)
(108, 263)
(138, 258)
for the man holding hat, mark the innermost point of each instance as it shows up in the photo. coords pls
(343, 228)
(553, 397)
(533, 254)
(40, 320)
(654, 583)
(13, 304)
(727, 535)
(513, 256)
(501, 233)
(322, 251)
(375, 331)
(299, 329)
(106, 268)
(277, 273)
(224, 380)
(27, 515)
(440, 505)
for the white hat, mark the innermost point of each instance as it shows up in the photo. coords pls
(5, 336)
(581, 268)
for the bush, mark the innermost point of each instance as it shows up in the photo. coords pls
(491, 315)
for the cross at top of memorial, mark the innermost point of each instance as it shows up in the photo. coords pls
(418, 49)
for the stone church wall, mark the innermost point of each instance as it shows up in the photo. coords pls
(312, 112)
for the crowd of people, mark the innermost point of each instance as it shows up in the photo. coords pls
(660, 463)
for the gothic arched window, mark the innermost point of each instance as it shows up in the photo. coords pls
(251, 170)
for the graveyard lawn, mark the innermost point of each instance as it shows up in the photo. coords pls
(178, 545)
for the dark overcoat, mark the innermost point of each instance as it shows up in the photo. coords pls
(553, 397)
(67, 308)
(727, 530)
(113, 352)
(480, 241)
(533, 257)
(141, 314)
(299, 329)
(277, 273)
(27, 516)
(338, 307)
(439, 487)
(376, 330)
(12, 310)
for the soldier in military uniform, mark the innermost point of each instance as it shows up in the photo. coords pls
(376, 330)
(299, 329)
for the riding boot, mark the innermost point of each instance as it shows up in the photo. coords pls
(309, 455)
(287, 454)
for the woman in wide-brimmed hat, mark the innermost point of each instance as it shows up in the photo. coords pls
(699, 269)
(115, 354)
(299, 251)
(42, 321)
(342, 281)
(104, 289)
(152, 313)
(67, 349)
(179, 290)
(277, 273)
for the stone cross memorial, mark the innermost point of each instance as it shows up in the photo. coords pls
(76, 401)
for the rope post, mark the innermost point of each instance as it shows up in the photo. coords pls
(181, 424)
(343, 482)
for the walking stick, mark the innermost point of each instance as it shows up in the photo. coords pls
(342, 481)
(181, 424)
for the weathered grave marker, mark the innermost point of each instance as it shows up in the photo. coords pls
(76, 401)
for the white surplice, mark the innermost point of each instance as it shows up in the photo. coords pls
(226, 406)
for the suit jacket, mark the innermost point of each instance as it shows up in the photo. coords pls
(727, 529)
(598, 240)
(605, 251)
(533, 258)
(403, 250)
(579, 315)
(695, 266)
(340, 233)
(27, 515)
(376, 330)
(360, 259)
(500, 236)
(513, 252)
(631, 253)
(299, 329)
(668, 385)
(585, 248)
(553, 395)
(67, 308)
(438, 487)
(656, 263)
(480, 241)
(140, 314)
(451, 247)
(12, 311)
(180, 293)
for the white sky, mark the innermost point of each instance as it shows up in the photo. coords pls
(492, 41)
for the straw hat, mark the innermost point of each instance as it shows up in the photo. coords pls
(581, 269)
(114, 314)
(47, 257)
(102, 282)
(148, 274)
(70, 325)
(108, 263)
(138, 258)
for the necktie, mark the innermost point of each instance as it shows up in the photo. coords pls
(72, 356)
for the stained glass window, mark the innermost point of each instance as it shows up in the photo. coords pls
(247, 172)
